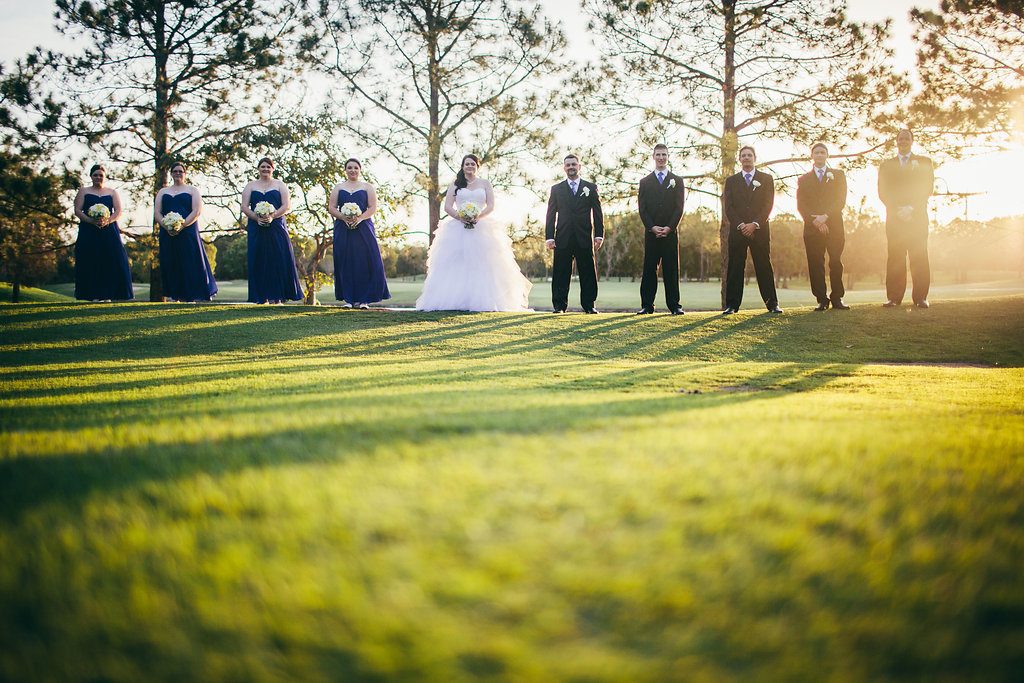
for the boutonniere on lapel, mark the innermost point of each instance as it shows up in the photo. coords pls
(914, 164)
(829, 176)
(755, 184)
(585, 191)
(672, 182)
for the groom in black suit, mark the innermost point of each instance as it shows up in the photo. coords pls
(660, 200)
(820, 199)
(747, 201)
(574, 229)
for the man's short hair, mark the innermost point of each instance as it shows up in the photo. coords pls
(816, 145)
(750, 147)
(661, 145)
(908, 132)
(570, 156)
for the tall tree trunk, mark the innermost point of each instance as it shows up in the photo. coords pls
(729, 140)
(434, 136)
(434, 183)
(161, 112)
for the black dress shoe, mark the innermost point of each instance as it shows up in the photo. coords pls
(890, 304)
(923, 303)
(645, 311)
(821, 307)
(677, 311)
(729, 311)
(775, 309)
(558, 310)
(591, 311)
(840, 305)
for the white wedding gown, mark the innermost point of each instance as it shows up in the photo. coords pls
(473, 269)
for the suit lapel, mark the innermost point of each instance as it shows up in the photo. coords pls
(668, 179)
(579, 190)
(820, 183)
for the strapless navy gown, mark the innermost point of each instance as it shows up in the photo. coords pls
(184, 268)
(358, 268)
(272, 274)
(101, 262)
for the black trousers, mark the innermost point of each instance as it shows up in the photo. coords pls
(817, 245)
(759, 247)
(664, 250)
(562, 275)
(907, 240)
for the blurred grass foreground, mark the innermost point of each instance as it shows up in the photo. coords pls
(284, 493)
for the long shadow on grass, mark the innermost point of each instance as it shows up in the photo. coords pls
(323, 433)
(215, 330)
(103, 400)
(862, 335)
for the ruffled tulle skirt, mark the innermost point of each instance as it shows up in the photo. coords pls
(473, 270)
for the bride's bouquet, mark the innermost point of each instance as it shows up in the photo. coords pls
(351, 210)
(264, 210)
(468, 214)
(172, 222)
(98, 212)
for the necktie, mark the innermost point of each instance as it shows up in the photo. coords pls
(748, 177)
(821, 174)
(572, 185)
(903, 160)
(661, 178)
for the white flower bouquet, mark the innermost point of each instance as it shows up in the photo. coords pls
(264, 210)
(98, 212)
(468, 214)
(351, 210)
(173, 222)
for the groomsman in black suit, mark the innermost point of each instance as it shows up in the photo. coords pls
(820, 199)
(660, 199)
(574, 229)
(904, 186)
(747, 202)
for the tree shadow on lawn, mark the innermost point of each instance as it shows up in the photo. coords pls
(342, 379)
(862, 335)
(213, 330)
(324, 434)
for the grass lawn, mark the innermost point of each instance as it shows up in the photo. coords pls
(623, 295)
(293, 493)
(34, 295)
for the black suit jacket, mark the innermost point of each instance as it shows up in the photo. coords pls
(574, 217)
(659, 203)
(909, 185)
(816, 197)
(743, 204)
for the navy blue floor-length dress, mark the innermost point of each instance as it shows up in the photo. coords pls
(272, 274)
(358, 268)
(101, 262)
(184, 267)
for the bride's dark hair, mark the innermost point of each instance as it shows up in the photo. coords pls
(460, 177)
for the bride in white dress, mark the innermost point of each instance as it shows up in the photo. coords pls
(470, 265)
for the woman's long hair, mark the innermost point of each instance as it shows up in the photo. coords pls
(460, 177)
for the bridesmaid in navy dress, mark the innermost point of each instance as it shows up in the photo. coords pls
(184, 268)
(272, 275)
(358, 269)
(102, 272)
